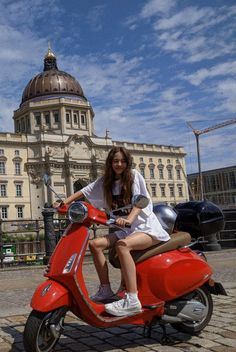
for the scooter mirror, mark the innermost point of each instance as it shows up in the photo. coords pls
(47, 180)
(140, 201)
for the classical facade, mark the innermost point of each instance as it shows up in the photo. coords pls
(219, 186)
(54, 134)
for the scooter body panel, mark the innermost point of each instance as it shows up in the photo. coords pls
(72, 243)
(171, 275)
(50, 295)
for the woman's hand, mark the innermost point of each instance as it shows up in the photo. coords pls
(122, 222)
(57, 204)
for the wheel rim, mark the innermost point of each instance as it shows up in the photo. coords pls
(45, 338)
(200, 296)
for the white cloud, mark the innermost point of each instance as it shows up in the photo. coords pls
(223, 69)
(185, 18)
(113, 79)
(8, 105)
(94, 17)
(193, 34)
(155, 7)
(226, 92)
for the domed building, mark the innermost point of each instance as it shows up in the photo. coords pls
(54, 134)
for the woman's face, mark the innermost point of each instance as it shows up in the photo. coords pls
(119, 164)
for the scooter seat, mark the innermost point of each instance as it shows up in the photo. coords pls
(177, 240)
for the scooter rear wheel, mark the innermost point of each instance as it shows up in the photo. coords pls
(38, 336)
(193, 328)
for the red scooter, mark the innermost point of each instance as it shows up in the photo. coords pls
(174, 284)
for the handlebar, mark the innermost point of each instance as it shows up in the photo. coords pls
(92, 214)
(113, 222)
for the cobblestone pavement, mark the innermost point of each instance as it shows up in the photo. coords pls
(17, 287)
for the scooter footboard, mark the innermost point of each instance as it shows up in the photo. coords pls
(50, 295)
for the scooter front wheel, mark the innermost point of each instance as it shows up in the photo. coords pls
(193, 328)
(39, 336)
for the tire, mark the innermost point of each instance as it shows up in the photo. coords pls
(38, 336)
(193, 328)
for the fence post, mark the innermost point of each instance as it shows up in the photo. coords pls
(212, 243)
(50, 236)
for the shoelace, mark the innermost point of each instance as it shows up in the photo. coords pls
(120, 303)
(125, 299)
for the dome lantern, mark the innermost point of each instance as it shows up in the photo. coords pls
(50, 60)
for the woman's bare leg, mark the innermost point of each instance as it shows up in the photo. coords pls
(137, 241)
(97, 246)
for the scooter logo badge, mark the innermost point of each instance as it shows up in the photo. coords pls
(45, 290)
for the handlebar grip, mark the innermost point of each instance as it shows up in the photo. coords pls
(128, 226)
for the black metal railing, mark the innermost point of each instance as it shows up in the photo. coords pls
(32, 242)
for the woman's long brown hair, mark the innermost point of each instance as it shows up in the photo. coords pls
(126, 177)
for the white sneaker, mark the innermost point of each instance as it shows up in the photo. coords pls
(123, 307)
(104, 293)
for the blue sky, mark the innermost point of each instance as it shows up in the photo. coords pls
(147, 67)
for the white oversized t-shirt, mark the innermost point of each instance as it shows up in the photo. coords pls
(146, 221)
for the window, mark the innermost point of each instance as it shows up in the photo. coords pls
(168, 161)
(159, 161)
(152, 172)
(232, 179)
(47, 118)
(17, 168)
(75, 116)
(161, 175)
(56, 116)
(67, 116)
(180, 190)
(28, 125)
(2, 168)
(170, 176)
(3, 190)
(38, 119)
(141, 160)
(1, 151)
(150, 160)
(142, 171)
(4, 213)
(172, 191)
(19, 212)
(153, 191)
(18, 190)
(22, 125)
(17, 126)
(178, 174)
(83, 119)
(17, 152)
(163, 191)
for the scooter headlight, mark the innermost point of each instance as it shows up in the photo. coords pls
(77, 212)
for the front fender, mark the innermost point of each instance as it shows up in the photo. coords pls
(50, 295)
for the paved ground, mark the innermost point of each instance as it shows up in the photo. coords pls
(17, 287)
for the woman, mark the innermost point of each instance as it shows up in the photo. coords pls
(113, 190)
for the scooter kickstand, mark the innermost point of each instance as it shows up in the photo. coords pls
(165, 340)
(147, 329)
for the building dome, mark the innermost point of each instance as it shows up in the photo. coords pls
(52, 82)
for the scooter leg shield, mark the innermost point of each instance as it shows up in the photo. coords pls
(50, 295)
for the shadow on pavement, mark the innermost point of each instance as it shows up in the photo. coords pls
(87, 338)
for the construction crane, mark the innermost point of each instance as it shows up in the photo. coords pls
(197, 133)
